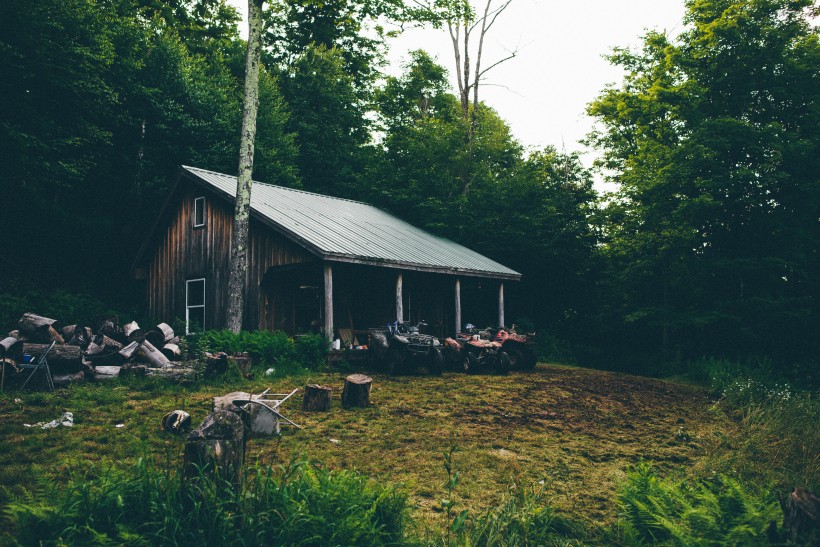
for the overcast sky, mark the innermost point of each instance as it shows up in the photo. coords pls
(559, 66)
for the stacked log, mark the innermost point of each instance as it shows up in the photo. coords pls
(79, 349)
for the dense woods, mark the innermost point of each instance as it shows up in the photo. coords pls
(708, 247)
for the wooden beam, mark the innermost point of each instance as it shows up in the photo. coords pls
(501, 304)
(399, 298)
(458, 304)
(328, 302)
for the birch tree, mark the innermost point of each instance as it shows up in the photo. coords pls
(239, 238)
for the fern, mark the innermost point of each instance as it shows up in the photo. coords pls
(715, 511)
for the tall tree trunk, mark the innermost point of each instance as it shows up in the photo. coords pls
(239, 239)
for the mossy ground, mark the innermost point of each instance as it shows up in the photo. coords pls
(571, 431)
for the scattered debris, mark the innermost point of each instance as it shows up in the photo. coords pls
(66, 420)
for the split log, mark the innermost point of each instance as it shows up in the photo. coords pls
(160, 335)
(128, 351)
(317, 398)
(179, 375)
(107, 324)
(802, 517)
(69, 331)
(65, 379)
(93, 349)
(152, 355)
(82, 337)
(171, 351)
(356, 391)
(9, 347)
(133, 369)
(216, 363)
(61, 359)
(47, 336)
(31, 323)
(133, 332)
(217, 444)
(106, 372)
(17, 334)
(108, 343)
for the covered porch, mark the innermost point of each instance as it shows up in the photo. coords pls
(326, 296)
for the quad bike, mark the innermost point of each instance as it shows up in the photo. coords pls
(473, 350)
(520, 347)
(400, 346)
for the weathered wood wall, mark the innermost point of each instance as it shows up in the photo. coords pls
(181, 252)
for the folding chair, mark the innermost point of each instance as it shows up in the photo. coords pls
(41, 363)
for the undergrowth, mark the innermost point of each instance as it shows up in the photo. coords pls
(714, 511)
(297, 504)
(269, 349)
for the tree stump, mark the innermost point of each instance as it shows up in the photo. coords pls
(216, 448)
(356, 391)
(802, 517)
(317, 398)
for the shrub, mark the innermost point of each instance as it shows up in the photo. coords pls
(311, 350)
(300, 503)
(717, 511)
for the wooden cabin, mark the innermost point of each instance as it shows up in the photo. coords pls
(314, 263)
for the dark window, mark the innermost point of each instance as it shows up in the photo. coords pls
(199, 212)
(194, 305)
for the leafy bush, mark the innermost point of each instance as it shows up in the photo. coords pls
(717, 511)
(311, 350)
(297, 504)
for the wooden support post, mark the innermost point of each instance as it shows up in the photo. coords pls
(501, 304)
(329, 302)
(399, 298)
(458, 305)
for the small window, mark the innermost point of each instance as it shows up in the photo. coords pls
(194, 305)
(199, 212)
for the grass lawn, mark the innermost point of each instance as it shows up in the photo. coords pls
(572, 430)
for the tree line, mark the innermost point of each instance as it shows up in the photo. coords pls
(709, 245)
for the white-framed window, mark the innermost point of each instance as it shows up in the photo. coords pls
(199, 212)
(194, 305)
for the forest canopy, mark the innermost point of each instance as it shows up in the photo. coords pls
(709, 245)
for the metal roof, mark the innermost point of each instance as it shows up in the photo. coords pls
(351, 231)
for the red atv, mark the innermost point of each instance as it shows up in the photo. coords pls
(473, 350)
(520, 347)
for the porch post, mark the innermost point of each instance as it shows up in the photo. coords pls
(399, 298)
(458, 305)
(501, 304)
(328, 302)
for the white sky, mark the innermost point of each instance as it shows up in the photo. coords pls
(559, 67)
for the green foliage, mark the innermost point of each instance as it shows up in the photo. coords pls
(300, 503)
(776, 419)
(711, 238)
(19, 296)
(269, 349)
(523, 518)
(716, 511)
(311, 350)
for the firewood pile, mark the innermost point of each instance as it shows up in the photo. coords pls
(99, 351)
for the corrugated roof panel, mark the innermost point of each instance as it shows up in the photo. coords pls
(343, 228)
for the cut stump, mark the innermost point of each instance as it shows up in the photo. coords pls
(317, 398)
(802, 517)
(356, 392)
(216, 447)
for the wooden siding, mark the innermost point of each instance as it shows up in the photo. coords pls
(181, 252)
